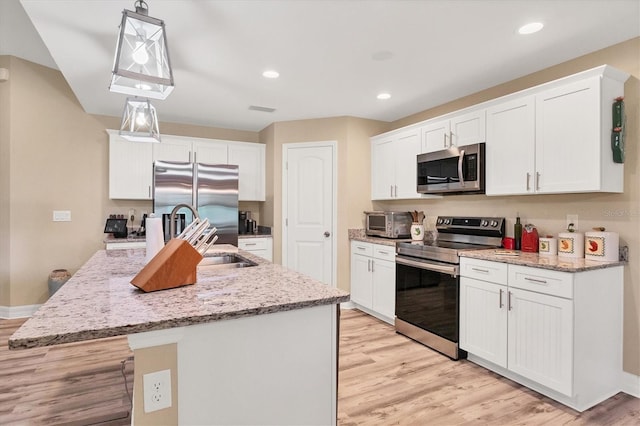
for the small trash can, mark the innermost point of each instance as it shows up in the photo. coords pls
(57, 278)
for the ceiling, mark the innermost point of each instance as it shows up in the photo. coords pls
(333, 56)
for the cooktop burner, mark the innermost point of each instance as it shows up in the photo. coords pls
(456, 234)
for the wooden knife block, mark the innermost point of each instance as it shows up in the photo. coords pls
(173, 266)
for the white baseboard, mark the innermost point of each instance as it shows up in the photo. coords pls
(24, 311)
(631, 384)
(347, 305)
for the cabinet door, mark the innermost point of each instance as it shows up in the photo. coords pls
(251, 162)
(361, 285)
(567, 138)
(467, 129)
(384, 288)
(541, 338)
(435, 136)
(172, 149)
(510, 149)
(483, 319)
(210, 152)
(382, 168)
(407, 148)
(130, 169)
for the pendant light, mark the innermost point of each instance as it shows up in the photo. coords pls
(139, 121)
(141, 65)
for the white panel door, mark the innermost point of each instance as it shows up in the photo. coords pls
(384, 287)
(407, 148)
(309, 210)
(361, 280)
(130, 169)
(383, 168)
(541, 338)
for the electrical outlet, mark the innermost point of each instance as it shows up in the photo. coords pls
(572, 218)
(157, 390)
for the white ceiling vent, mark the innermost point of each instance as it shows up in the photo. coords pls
(261, 108)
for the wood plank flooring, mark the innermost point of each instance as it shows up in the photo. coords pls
(385, 379)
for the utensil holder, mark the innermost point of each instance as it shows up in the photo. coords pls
(174, 266)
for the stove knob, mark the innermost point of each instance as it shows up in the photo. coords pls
(439, 221)
(484, 223)
(447, 221)
(494, 223)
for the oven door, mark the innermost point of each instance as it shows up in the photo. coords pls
(427, 296)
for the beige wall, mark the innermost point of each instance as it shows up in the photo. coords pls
(352, 137)
(151, 360)
(617, 212)
(54, 156)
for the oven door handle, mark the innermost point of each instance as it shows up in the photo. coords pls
(430, 266)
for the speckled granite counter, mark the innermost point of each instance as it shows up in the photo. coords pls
(359, 235)
(554, 263)
(99, 301)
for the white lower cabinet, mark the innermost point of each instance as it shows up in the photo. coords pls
(373, 279)
(559, 333)
(260, 246)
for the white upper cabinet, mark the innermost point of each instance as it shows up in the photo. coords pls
(393, 165)
(130, 168)
(131, 163)
(510, 153)
(457, 130)
(250, 158)
(555, 138)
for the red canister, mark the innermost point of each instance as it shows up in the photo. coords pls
(530, 239)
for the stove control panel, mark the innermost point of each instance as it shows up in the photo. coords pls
(491, 226)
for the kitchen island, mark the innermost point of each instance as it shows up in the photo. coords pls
(250, 345)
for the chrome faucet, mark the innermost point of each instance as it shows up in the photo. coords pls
(172, 218)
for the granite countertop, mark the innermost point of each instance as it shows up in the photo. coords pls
(99, 300)
(360, 235)
(554, 263)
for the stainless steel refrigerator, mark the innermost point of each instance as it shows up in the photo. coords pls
(211, 188)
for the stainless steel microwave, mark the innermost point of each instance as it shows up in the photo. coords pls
(388, 224)
(459, 169)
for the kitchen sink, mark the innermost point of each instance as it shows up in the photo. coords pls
(225, 261)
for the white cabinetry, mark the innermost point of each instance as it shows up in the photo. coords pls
(130, 169)
(555, 138)
(538, 327)
(260, 246)
(393, 165)
(131, 163)
(373, 278)
(458, 130)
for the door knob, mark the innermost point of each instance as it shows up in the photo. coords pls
(327, 234)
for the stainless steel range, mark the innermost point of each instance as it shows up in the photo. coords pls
(428, 283)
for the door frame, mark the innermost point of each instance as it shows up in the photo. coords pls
(334, 188)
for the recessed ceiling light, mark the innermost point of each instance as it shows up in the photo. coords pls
(384, 96)
(530, 28)
(271, 74)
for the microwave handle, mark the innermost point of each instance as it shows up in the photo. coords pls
(460, 160)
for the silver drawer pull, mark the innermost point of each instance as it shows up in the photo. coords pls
(509, 301)
(249, 244)
(500, 303)
(362, 248)
(535, 280)
(486, 271)
(383, 252)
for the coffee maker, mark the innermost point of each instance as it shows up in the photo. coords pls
(246, 225)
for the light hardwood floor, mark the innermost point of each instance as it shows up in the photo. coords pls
(385, 379)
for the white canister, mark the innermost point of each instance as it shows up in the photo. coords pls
(571, 244)
(601, 246)
(547, 246)
(417, 232)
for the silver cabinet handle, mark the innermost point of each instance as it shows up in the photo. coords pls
(445, 140)
(450, 137)
(368, 265)
(361, 248)
(535, 280)
(500, 304)
(372, 265)
(486, 271)
(537, 181)
(249, 244)
(391, 191)
(528, 177)
(383, 252)
(509, 300)
(149, 191)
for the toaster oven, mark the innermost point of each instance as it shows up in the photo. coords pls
(388, 224)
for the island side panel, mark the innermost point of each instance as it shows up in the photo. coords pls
(278, 368)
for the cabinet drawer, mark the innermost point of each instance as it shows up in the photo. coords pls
(383, 252)
(359, 247)
(251, 244)
(484, 270)
(544, 281)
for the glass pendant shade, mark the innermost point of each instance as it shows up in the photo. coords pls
(139, 121)
(141, 66)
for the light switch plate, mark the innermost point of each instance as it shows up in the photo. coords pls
(62, 215)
